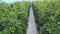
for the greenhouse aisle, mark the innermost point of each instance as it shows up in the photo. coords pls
(31, 23)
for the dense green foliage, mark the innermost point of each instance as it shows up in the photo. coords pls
(47, 16)
(14, 17)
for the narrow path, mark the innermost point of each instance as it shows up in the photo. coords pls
(31, 23)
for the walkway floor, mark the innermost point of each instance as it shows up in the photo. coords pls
(31, 23)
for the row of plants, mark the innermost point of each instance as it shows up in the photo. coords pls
(47, 16)
(14, 17)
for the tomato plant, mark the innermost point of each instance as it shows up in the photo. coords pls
(14, 17)
(47, 15)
